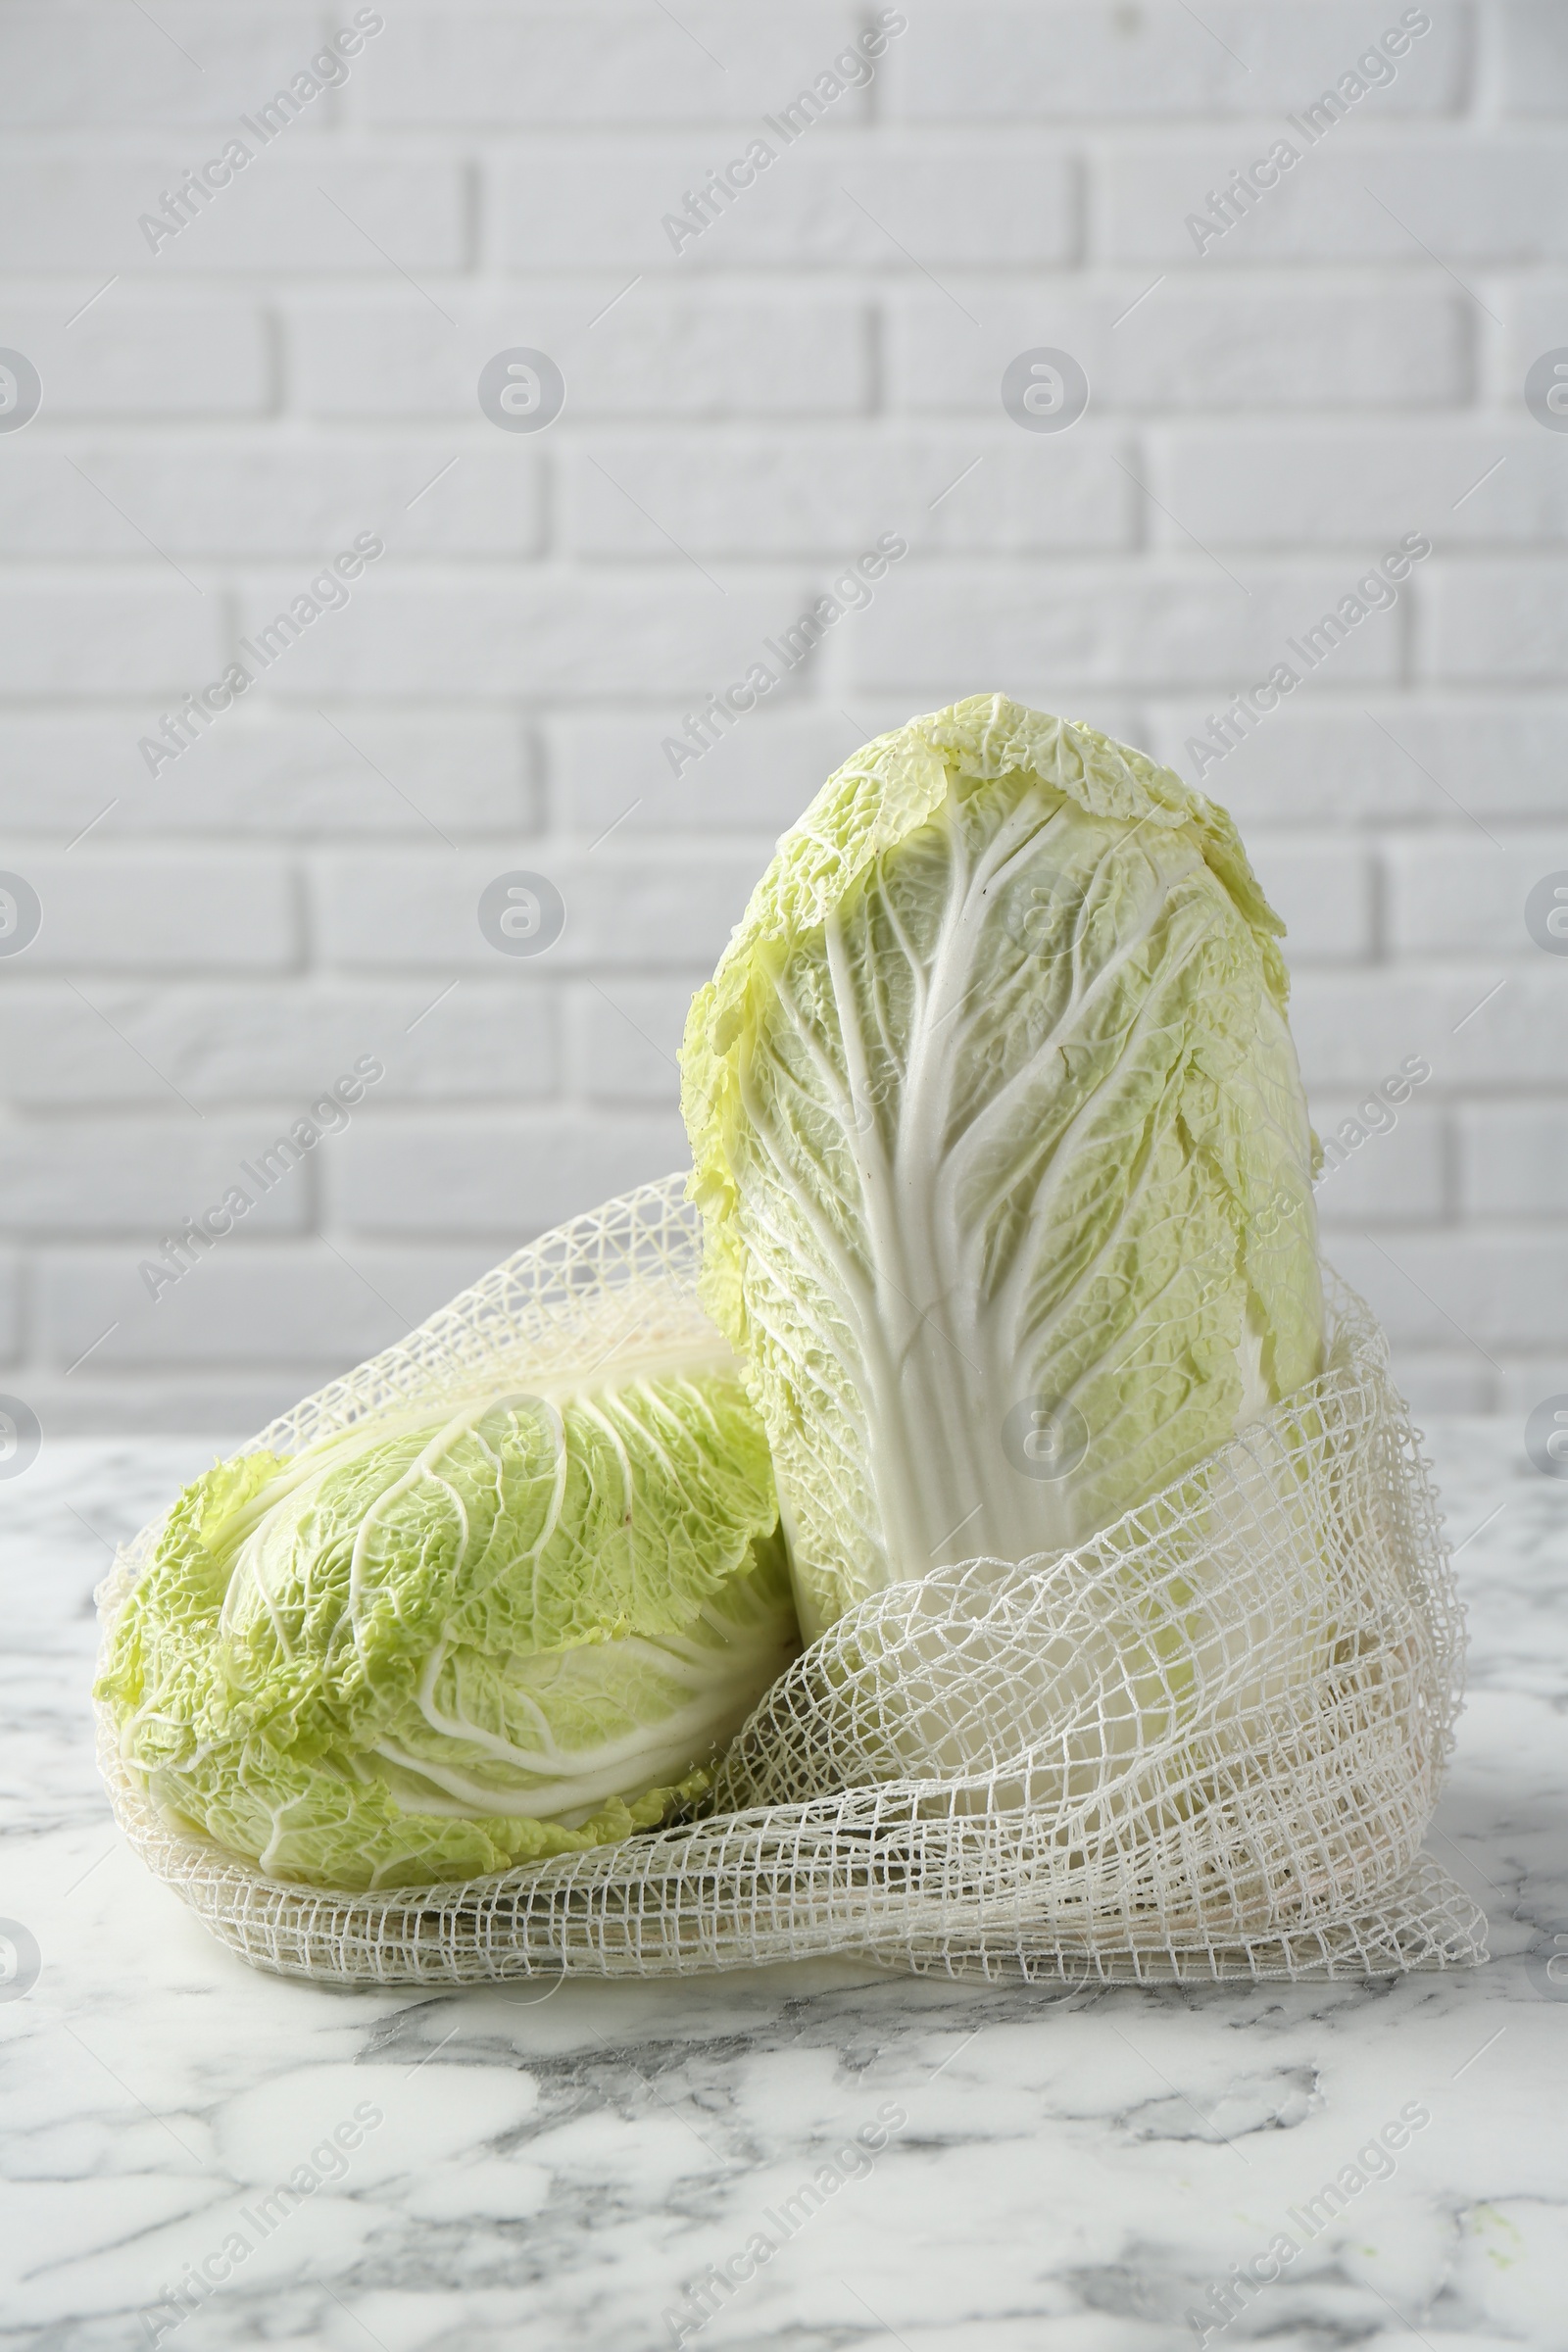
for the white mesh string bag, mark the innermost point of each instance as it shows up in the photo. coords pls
(1204, 1745)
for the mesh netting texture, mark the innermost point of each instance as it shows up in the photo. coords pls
(1204, 1745)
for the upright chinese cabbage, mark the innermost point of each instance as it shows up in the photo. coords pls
(436, 1645)
(1001, 1147)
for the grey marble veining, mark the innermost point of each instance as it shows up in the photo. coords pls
(938, 2165)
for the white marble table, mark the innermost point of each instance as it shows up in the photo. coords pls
(1068, 2174)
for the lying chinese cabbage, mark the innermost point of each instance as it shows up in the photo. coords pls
(433, 1646)
(1001, 1147)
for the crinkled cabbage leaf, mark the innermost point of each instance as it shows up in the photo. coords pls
(433, 1646)
(1001, 1147)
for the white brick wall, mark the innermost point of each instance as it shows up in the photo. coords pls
(299, 364)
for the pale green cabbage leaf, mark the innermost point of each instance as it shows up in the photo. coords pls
(1001, 1147)
(436, 1645)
